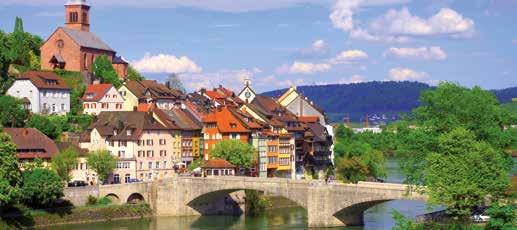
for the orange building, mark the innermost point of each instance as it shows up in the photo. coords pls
(222, 124)
(74, 48)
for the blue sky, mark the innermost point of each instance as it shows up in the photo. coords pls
(278, 43)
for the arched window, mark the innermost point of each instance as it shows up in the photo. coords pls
(85, 61)
(74, 17)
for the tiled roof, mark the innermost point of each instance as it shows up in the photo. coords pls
(62, 146)
(309, 119)
(118, 60)
(217, 163)
(87, 39)
(95, 92)
(226, 121)
(44, 80)
(182, 119)
(319, 131)
(32, 139)
(115, 125)
(153, 90)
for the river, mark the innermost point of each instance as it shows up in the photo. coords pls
(377, 217)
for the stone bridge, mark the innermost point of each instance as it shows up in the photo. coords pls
(327, 205)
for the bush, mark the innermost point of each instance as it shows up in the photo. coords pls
(41, 187)
(104, 201)
(91, 200)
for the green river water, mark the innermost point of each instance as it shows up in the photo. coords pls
(377, 217)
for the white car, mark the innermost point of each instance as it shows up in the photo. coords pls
(480, 218)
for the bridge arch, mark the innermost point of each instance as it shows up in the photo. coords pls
(114, 198)
(135, 198)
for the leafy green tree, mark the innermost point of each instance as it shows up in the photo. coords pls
(235, 152)
(41, 187)
(76, 105)
(12, 113)
(64, 162)
(46, 125)
(356, 159)
(133, 74)
(10, 175)
(102, 162)
(195, 164)
(103, 69)
(463, 172)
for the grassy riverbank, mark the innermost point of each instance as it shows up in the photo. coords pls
(69, 215)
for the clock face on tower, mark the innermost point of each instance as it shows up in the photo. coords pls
(247, 94)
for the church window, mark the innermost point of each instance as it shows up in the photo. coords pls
(74, 17)
(60, 44)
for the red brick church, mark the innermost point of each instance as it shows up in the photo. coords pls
(73, 47)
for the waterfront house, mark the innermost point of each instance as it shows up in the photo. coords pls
(217, 167)
(101, 97)
(31, 144)
(42, 92)
(74, 47)
(141, 144)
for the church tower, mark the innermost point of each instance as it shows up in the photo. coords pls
(77, 15)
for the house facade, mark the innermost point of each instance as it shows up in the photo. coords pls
(42, 92)
(74, 48)
(141, 144)
(99, 98)
(149, 91)
(31, 144)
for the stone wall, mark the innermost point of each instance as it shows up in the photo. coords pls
(79, 195)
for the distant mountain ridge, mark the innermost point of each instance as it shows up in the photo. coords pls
(383, 100)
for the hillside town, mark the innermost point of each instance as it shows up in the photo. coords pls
(156, 131)
(92, 140)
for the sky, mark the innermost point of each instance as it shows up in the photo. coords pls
(280, 43)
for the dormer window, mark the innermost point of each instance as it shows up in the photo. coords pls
(129, 132)
(89, 96)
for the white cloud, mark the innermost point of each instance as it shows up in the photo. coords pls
(348, 56)
(308, 68)
(319, 45)
(398, 26)
(356, 78)
(427, 53)
(163, 63)
(213, 5)
(406, 74)
(402, 22)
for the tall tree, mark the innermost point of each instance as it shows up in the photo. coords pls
(103, 163)
(64, 162)
(18, 25)
(103, 69)
(46, 125)
(174, 82)
(12, 113)
(10, 175)
(235, 152)
(454, 182)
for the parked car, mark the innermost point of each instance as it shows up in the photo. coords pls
(77, 183)
(133, 180)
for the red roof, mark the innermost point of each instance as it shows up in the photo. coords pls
(226, 121)
(145, 107)
(31, 143)
(309, 119)
(96, 92)
(217, 163)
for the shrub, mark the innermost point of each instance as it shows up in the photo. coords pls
(91, 200)
(41, 187)
(104, 201)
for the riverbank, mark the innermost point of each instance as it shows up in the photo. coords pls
(74, 215)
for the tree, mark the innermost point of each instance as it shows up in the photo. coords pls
(174, 82)
(64, 162)
(103, 69)
(102, 162)
(454, 182)
(356, 159)
(502, 216)
(133, 74)
(45, 125)
(18, 25)
(12, 113)
(41, 187)
(235, 152)
(10, 175)
(76, 105)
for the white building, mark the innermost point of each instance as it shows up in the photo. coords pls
(42, 92)
(101, 97)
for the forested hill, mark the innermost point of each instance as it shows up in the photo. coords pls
(383, 100)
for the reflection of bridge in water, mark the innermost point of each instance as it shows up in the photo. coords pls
(327, 205)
